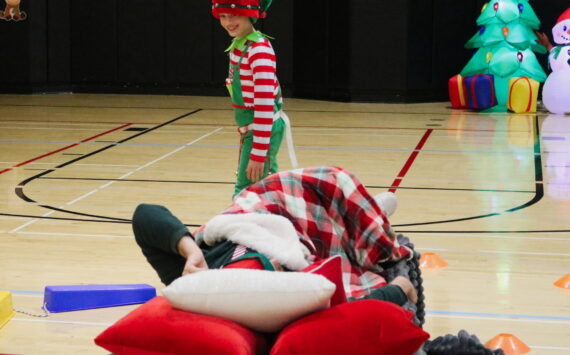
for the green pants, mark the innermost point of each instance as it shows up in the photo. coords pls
(270, 167)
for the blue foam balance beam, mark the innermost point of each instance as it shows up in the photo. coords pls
(79, 297)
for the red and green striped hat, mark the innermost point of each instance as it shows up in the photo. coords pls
(249, 8)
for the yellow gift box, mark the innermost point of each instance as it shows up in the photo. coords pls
(523, 93)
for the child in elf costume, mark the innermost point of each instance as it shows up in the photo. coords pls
(254, 90)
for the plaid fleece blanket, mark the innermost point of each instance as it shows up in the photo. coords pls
(333, 214)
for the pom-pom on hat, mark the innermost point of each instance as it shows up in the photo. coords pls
(249, 8)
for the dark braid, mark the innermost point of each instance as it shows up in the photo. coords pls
(461, 344)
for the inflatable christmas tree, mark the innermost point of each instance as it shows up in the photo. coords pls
(506, 44)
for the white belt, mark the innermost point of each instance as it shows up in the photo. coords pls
(288, 135)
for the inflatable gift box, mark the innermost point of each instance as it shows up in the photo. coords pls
(480, 91)
(523, 93)
(457, 92)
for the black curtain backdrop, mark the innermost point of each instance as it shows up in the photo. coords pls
(358, 50)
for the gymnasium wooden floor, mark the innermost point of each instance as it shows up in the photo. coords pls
(490, 194)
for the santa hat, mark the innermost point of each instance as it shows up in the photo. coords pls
(250, 8)
(565, 16)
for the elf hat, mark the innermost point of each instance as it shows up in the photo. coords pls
(249, 8)
(565, 16)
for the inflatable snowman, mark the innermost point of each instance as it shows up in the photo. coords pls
(556, 91)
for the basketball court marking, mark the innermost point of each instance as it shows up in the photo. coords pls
(65, 148)
(61, 209)
(410, 161)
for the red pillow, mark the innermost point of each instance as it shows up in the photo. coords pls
(156, 328)
(332, 270)
(360, 327)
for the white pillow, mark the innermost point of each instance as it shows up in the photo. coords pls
(258, 299)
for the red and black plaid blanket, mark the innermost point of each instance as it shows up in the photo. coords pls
(334, 215)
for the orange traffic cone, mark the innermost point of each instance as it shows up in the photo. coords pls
(510, 344)
(564, 282)
(431, 261)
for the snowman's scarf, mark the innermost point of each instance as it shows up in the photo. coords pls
(332, 214)
(556, 50)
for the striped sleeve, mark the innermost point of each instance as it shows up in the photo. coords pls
(262, 61)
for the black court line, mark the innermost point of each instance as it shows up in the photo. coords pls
(143, 180)
(487, 231)
(20, 188)
(75, 144)
(83, 214)
(450, 189)
(59, 218)
(339, 127)
(538, 195)
(75, 219)
(102, 107)
(126, 221)
(231, 183)
(230, 109)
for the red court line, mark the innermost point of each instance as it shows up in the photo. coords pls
(67, 147)
(410, 161)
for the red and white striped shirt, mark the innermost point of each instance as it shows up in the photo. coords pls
(259, 88)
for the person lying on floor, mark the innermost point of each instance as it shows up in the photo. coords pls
(285, 222)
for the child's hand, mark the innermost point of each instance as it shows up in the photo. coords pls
(195, 260)
(407, 287)
(254, 170)
(195, 263)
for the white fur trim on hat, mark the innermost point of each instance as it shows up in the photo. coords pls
(271, 235)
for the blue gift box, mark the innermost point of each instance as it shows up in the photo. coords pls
(480, 91)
